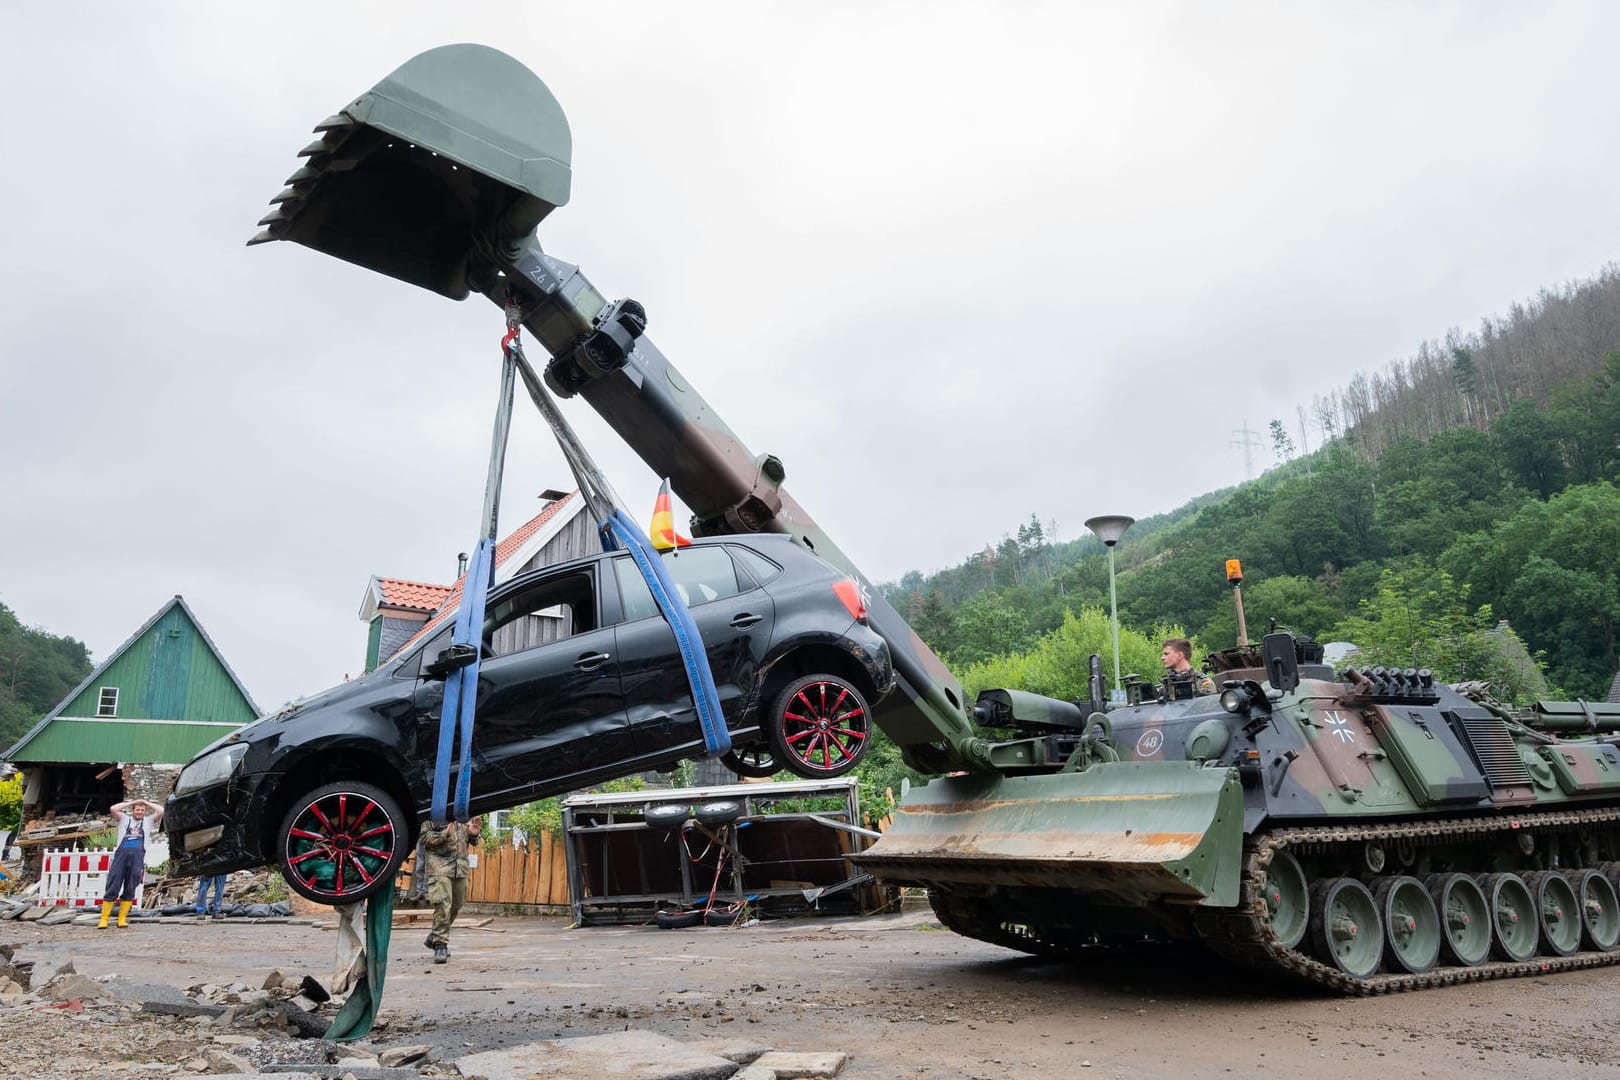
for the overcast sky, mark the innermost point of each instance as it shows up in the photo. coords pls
(952, 263)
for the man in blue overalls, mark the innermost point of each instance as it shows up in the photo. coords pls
(133, 821)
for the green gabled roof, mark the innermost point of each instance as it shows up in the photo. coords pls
(175, 692)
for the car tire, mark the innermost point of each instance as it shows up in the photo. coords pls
(823, 717)
(342, 842)
(754, 762)
(677, 920)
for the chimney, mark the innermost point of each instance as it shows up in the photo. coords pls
(551, 495)
(461, 566)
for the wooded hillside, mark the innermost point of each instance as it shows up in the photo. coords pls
(37, 669)
(1470, 483)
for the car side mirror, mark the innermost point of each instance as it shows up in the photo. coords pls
(454, 658)
(1282, 665)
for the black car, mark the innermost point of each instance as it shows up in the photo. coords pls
(581, 682)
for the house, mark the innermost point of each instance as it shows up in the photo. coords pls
(125, 731)
(397, 611)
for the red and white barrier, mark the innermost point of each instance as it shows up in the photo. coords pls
(76, 878)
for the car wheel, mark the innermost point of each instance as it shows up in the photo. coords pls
(819, 726)
(342, 842)
(751, 761)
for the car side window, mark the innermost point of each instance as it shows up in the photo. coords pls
(757, 565)
(550, 610)
(700, 575)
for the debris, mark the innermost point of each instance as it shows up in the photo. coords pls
(223, 1061)
(624, 1055)
(790, 1064)
(273, 980)
(69, 985)
(402, 1055)
(742, 1051)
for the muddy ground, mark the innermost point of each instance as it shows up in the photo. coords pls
(901, 996)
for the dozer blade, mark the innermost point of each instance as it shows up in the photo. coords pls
(454, 157)
(1137, 831)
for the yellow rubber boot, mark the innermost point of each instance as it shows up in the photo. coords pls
(106, 912)
(123, 912)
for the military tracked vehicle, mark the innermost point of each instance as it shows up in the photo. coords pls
(1365, 830)
(1368, 830)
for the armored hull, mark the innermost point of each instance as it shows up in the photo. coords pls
(1364, 831)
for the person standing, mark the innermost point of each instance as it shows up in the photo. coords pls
(445, 850)
(133, 821)
(215, 882)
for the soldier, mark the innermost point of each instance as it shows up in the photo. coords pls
(1177, 658)
(444, 848)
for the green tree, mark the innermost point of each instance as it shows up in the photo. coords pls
(1058, 665)
(1421, 619)
(986, 627)
(37, 670)
(11, 802)
(1530, 448)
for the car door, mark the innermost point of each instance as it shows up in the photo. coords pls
(734, 617)
(550, 700)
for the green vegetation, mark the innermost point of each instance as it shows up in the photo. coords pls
(1459, 511)
(37, 670)
(11, 802)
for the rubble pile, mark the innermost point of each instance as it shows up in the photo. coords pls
(244, 888)
(53, 826)
(62, 1023)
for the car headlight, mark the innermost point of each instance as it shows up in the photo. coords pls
(214, 768)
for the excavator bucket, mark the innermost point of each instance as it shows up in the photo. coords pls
(1135, 832)
(456, 155)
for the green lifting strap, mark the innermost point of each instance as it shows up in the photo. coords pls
(354, 1020)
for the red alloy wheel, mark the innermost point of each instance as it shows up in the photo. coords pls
(341, 843)
(820, 726)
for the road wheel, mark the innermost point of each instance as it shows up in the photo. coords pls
(1345, 927)
(1558, 914)
(755, 761)
(1288, 899)
(1514, 927)
(1600, 909)
(677, 920)
(819, 726)
(1465, 917)
(342, 843)
(1411, 924)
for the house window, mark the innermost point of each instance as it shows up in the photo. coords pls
(108, 705)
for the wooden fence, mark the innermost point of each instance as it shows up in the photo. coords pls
(535, 872)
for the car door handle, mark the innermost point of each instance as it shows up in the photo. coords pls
(591, 661)
(743, 620)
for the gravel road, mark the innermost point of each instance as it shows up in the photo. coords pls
(901, 996)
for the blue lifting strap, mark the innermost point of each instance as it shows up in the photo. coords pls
(698, 676)
(461, 686)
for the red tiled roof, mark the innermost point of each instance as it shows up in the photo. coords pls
(503, 551)
(412, 595)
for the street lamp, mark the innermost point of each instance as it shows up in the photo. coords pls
(1109, 528)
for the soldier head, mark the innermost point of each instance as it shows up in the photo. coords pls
(1177, 655)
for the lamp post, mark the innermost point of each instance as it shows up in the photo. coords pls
(1109, 528)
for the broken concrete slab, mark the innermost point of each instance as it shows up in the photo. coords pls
(344, 1068)
(403, 1055)
(174, 1008)
(793, 1065)
(624, 1055)
(742, 1051)
(57, 916)
(754, 1072)
(122, 989)
(33, 914)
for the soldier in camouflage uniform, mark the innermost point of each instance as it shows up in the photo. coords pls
(1177, 658)
(444, 865)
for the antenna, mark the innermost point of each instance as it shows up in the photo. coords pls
(1249, 440)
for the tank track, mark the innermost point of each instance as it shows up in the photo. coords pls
(1243, 934)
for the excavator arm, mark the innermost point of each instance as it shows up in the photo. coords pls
(439, 176)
